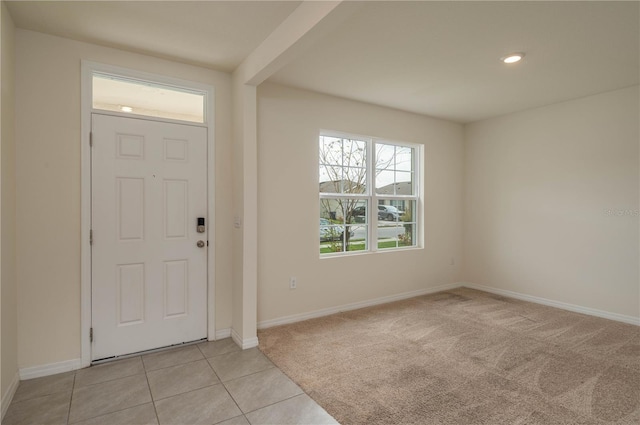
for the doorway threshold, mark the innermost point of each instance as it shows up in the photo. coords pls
(140, 353)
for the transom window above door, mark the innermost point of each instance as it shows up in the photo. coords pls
(124, 95)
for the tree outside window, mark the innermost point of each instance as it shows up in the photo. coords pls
(367, 192)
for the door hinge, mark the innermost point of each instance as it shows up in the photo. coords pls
(91, 237)
(90, 334)
(91, 138)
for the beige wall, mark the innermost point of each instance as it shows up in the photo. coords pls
(289, 122)
(9, 340)
(551, 202)
(48, 186)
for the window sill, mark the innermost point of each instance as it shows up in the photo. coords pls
(364, 253)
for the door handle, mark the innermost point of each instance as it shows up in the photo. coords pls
(200, 244)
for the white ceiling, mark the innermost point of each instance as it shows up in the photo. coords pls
(434, 58)
(442, 58)
(213, 34)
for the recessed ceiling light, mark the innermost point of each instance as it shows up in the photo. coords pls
(512, 57)
(126, 109)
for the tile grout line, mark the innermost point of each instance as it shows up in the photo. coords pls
(110, 380)
(211, 367)
(187, 392)
(273, 366)
(283, 400)
(111, 413)
(221, 382)
(227, 390)
(73, 387)
(219, 354)
(234, 417)
(153, 402)
(234, 401)
(251, 374)
(177, 364)
(103, 382)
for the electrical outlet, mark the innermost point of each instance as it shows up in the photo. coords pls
(293, 283)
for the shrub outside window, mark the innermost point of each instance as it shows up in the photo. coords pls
(368, 194)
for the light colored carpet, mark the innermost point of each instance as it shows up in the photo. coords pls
(463, 357)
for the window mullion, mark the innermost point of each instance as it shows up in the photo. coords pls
(373, 203)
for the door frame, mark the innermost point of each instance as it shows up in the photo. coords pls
(87, 70)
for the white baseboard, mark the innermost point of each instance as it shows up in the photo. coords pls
(223, 333)
(8, 396)
(50, 369)
(511, 294)
(244, 343)
(352, 306)
(75, 364)
(558, 304)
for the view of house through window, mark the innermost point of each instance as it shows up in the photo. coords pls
(368, 194)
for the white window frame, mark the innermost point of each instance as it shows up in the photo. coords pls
(372, 198)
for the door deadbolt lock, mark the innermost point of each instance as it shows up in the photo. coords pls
(200, 244)
(200, 228)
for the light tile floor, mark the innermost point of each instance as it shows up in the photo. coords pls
(205, 384)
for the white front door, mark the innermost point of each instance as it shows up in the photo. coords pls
(148, 274)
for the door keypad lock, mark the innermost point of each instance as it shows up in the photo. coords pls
(200, 228)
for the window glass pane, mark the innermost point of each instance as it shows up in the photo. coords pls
(408, 211)
(408, 217)
(331, 209)
(355, 153)
(385, 182)
(403, 176)
(325, 208)
(330, 237)
(358, 238)
(324, 178)
(338, 214)
(404, 158)
(394, 170)
(396, 227)
(388, 234)
(330, 230)
(330, 150)
(342, 209)
(111, 93)
(384, 156)
(331, 179)
(407, 238)
(360, 213)
(387, 212)
(355, 180)
(404, 183)
(342, 161)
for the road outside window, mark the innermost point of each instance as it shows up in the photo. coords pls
(368, 194)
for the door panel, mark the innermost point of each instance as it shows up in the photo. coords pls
(149, 279)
